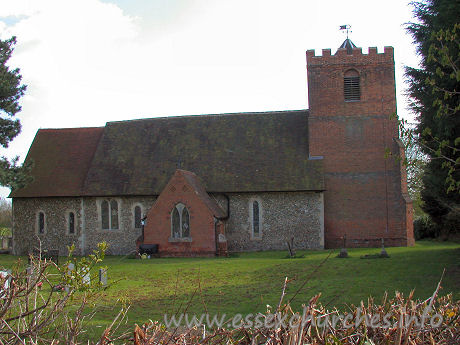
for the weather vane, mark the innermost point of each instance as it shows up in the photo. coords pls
(346, 27)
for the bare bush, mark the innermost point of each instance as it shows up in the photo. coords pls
(328, 327)
(45, 303)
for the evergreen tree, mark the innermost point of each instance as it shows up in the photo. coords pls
(11, 90)
(434, 92)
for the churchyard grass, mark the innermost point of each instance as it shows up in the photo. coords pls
(248, 282)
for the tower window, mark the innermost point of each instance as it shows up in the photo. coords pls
(351, 86)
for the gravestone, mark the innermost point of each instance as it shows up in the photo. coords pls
(343, 252)
(86, 280)
(383, 252)
(70, 270)
(5, 274)
(31, 274)
(103, 276)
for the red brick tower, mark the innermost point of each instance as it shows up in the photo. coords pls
(351, 98)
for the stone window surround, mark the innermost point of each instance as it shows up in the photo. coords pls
(99, 214)
(251, 219)
(173, 239)
(37, 223)
(134, 214)
(67, 216)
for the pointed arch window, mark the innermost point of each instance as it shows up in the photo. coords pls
(351, 86)
(71, 223)
(255, 219)
(180, 222)
(41, 222)
(137, 217)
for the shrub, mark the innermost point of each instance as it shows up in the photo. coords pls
(424, 227)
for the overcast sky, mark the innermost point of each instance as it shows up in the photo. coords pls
(87, 62)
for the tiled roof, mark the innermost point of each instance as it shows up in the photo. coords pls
(61, 158)
(245, 152)
(198, 186)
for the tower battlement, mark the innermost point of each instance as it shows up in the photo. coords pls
(356, 56)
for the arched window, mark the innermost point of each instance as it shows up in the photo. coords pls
(109, 214)
(71, 223)
(137, 217)
(351, 86)
(180, 222)
(41, 222)
(255, 219)
(105, 214)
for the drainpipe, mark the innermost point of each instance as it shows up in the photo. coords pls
(216, 239)
(217, 219)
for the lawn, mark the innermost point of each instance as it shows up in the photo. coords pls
(247, 282)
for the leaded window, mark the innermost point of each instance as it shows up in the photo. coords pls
(109, 214)
(71, 223)
(41, 223)
(137, 217)
(255, 219)
(180, 222)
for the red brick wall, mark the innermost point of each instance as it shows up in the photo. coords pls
(158, 225)
(366, 194)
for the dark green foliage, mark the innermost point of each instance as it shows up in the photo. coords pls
(425, 228)
(11, 90)
(13, 175)
(434, 92)
(5, 214)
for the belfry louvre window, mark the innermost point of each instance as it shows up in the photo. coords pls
(351, 86)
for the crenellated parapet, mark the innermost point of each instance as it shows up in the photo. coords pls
(342, 57)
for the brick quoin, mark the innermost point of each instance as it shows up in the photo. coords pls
(366, 195)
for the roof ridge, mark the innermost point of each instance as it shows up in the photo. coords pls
(69, 128)
(211, 115)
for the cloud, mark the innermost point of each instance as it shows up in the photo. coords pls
(87, 62)
(67, 51)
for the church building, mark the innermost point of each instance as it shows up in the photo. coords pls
(207, 185)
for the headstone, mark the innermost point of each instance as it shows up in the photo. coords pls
(103, 276)
(6, 274)
(343, 252)
(30, 274)
(383, 252)
(86, 280)
(70, 269)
